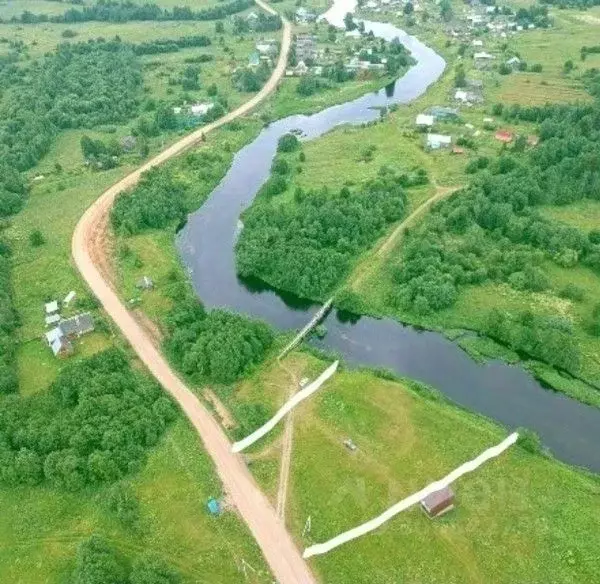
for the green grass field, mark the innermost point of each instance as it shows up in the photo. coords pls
(520, 518)
(41, 528)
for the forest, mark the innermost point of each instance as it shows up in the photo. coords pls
(126, 11)
(94, 425)
(81, 85)
(308, 247)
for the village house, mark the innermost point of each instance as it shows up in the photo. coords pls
(483, 60)
(514, 62)
(443, 113)
(267, 48)
(254, 60)
(424, 121)
(301, 69)
(60, 338)
(438, 141)
(306, 47)
(201, 109)
(438, 502)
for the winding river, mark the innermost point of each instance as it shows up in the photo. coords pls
(508, 394)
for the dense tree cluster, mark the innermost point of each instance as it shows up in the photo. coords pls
(8, 324)
(160, 197)
(535, 14)
(80, 85)
(170, 45)
(548, 339)
(307, 247)
(217, 346)
(249, 80)
(125, 11)
(93, 426)
(99, 563)
(492, 229)
(157, 200)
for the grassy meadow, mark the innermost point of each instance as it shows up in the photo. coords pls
(41, 528)
(519, 518)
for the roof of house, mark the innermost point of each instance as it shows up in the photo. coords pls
(52, 319)
(439, 139)
(52, 335)
(437, 499)
(51, 307)
(61, 344)
(78, 325)
(483, 55)
(424, 120)
(199, 109)
(504, 135)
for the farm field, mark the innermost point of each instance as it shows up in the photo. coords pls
(542, 511)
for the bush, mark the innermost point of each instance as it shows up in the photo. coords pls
(288, 143)
(572, 292)
(529, 441)
(97, 563)
(36, 238)
(122, 502)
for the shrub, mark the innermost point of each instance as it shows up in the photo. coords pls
(288, 143)
(36, 238)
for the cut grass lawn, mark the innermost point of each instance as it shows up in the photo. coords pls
(519, 518)
(41, 528)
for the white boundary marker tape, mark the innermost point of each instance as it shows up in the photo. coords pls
(287, 407)
(323, 548)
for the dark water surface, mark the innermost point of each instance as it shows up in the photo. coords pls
(505, 393)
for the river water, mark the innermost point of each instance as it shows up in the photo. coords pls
(508, 394)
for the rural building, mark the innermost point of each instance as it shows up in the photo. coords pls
(306, 47)
(477, 43)
(201, 109)
(504, 136)
(69, 298)
(254, 59)
(514, 62)
(533, 140)
(443, 113)
(300, 69)
(437, 141)
(483, 60)
(176, 110)
(267, 48)
(438, 503)
(52, 319)
(303, 16)
(77, 326)
(51, 307)
(424, 121)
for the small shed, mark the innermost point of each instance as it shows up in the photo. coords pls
(437, 141)
(52, 307)
(52, 319)
(213, 506)
(438, 502)
(69, 297)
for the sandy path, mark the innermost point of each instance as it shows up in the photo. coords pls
(89, 255)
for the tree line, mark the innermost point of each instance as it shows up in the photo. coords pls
(94, 425)
(8, 324)
(308, 246)
(126, 11)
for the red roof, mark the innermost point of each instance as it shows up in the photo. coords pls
(458, 150)
(504, 136)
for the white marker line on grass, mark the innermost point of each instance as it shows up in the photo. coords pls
(323, 548)
(287, 407)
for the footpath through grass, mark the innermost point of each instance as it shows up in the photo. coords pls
(520, 518)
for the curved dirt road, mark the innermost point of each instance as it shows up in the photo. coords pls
(279, 549)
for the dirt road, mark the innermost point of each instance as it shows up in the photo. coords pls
(89, 255)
